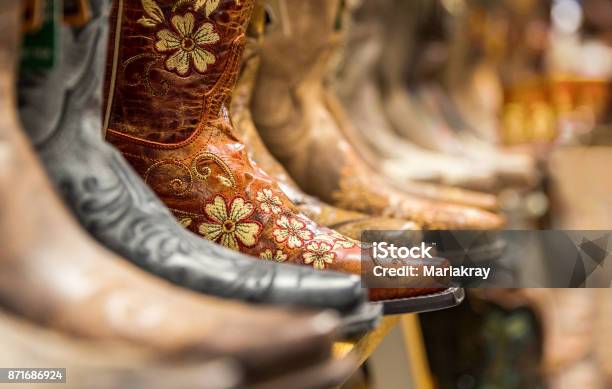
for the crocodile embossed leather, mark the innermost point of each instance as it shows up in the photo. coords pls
(171, 76)
(61, 114)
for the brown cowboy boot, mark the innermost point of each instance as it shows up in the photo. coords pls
(108, 365)
(371, 133)
(53, 273)
(96, 364)
(348, 223)
(418, 116)
(188, 151)
(292, 117)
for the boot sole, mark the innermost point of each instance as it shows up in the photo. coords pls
(447, 298)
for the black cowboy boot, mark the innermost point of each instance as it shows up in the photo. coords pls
(61, 111)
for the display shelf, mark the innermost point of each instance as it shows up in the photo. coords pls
(363, 346)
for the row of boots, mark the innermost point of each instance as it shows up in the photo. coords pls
(214, 145)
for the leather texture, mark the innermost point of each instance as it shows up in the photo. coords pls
(95, 364)
(100, 365)
(53, 273)
(61, 112)
(207, 178)
(291, 113)
(348, 223)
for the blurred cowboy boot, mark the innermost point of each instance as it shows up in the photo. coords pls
(108, 365)
(513, 169)
(348, 223)
(372, 135)
(115, 365)
(52, 273)
(291, 115)
(60, 110)
(64, 280)
(411, 119)
(189, 153)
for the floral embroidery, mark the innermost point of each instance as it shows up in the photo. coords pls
(269, 203)
(154, 14)
(186, 45)
(343, 241)
(209, 5)
(337, 240)
(185, 222)
(319, 254)
(291, 230)
(231, 228)
(278, 256)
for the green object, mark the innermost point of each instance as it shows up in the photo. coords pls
(40, 49)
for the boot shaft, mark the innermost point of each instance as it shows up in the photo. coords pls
(299, 39)
(172, 65)
(64, 103)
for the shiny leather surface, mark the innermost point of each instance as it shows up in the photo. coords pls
(61, 112)
(291, 115)
(207, 180)
(63, 280)
(54, 274)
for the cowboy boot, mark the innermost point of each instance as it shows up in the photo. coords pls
(189, 152)
(95, 364)
(60, 110)
(348, 223)
(107, 365)
(413, 116)
(67, 282)
(302, 133)
(360, 94)
(512, 169)
(53, 273)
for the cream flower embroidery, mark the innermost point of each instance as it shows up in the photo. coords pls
(278, 256)
(231, 228)
(343, 241)
(319, 254)
(186, 45)
(291, 230)
(338, 240)
(268, 203)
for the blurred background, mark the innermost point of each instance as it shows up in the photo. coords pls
(533, 76)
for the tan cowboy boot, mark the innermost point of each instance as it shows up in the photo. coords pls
(168, 114)
(396, 172)
(53, 273)
(292, 116)
(371, 133)
(348, 223)
(108, 365)
(97, 364)
(419, 117)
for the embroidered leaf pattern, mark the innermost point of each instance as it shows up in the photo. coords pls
(153, 10)
(210, 6)
(147, 22)
(185, 222)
